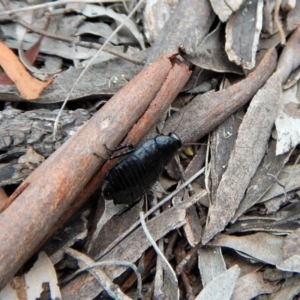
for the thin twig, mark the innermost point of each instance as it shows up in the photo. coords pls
(188, 287)
(278, 23)
(172, 241)
(167, 267)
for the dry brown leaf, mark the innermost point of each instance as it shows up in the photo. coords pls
(29, 87)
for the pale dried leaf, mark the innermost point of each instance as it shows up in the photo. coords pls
(221, 287)
(210, 54)
(128, 29)
(210, 263)
(98, 29)
(291, 245)
(252, 285)
(261, 246)
(156, 14)
(289, 290)
(42, 272)
(292, 264)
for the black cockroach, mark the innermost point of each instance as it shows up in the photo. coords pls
(133, 176)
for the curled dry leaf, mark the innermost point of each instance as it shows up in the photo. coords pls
(29, 87)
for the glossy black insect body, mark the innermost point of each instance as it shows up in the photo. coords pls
(129, 179)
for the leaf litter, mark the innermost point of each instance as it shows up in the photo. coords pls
(248, 128)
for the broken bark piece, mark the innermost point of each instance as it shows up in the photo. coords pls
(211, 55)
(249, 150)
(242, 34)
(57, 182)
(207, 111)
(224, 9)
(187, 26)
(22, 129)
